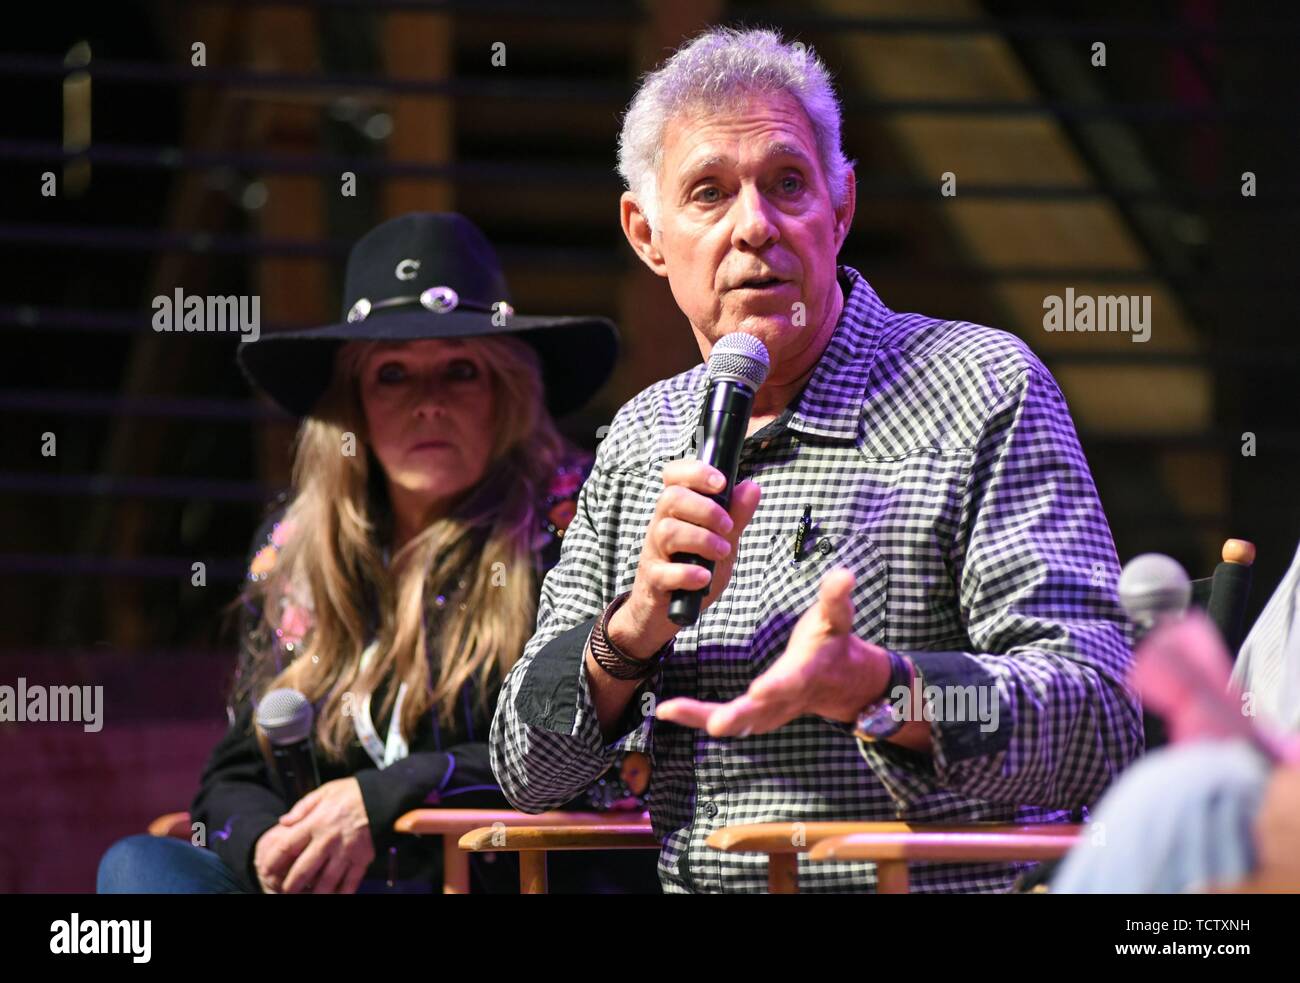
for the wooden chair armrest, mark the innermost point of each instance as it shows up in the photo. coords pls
(444, 822)
(610, 836)
(891, 852)
(949, 847)
(451, 824)
(783, 838)
(532, 843)
(174, 824)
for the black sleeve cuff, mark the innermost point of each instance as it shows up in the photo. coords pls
(956, 681)
(548, 695)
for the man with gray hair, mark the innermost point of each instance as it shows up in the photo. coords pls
(927, 524)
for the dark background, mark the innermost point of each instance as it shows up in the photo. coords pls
(1117, 179)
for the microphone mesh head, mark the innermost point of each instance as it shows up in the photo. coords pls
(285, 716)
(741, 357)
(1152, 585)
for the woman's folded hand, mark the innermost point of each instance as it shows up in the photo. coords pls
(323, 841)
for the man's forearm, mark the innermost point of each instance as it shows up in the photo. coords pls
(611, 696)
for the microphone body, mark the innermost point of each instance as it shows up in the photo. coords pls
(738, 366)
(285, 717)
(296, 765)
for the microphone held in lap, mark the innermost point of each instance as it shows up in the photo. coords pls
(285, 717)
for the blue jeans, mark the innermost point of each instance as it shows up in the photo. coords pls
(1179, 820)
(145, 864)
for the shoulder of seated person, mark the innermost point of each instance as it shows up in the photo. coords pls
(651, 426)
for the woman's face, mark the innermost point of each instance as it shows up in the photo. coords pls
(429, 409)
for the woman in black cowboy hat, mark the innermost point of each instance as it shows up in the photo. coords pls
(398, 584)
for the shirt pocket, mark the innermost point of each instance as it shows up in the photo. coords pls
(790, 588)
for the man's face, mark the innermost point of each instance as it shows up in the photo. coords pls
(748, 235)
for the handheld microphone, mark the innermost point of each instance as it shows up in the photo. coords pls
(738, 366)
(285, 716)
(1154, 588)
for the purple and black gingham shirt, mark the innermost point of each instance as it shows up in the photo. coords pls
(941, 465)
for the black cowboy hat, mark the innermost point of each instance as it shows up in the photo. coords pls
(429, 275)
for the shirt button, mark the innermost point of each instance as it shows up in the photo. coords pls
(711, 810)
(824, 546)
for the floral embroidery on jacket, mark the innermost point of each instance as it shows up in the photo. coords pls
(295, 605)
(561, 502)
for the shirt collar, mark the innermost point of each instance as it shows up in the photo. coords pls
(830, 404)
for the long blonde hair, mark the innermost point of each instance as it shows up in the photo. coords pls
(332, 560)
